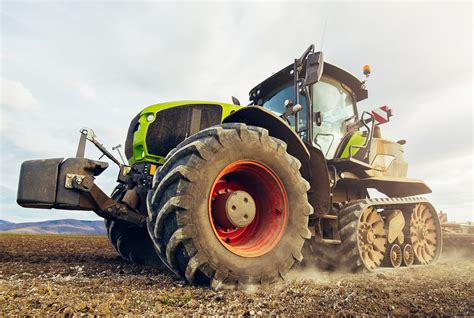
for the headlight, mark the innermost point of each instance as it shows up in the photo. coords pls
(150, 117)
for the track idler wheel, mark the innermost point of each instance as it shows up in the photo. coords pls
(408, 255)
(371, 238)
(364, 239)
(425, 233)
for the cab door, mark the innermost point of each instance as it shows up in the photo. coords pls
(333, 112)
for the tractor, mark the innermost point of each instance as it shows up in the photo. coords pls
(227, 195)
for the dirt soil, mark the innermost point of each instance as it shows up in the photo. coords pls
(53, 274)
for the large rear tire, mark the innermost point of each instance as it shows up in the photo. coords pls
(187, 222)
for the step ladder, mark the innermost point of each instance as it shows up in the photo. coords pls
(328, 221)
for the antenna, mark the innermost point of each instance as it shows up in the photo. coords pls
(324, 33)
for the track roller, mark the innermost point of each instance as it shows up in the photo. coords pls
(408, 255)
(395, 256)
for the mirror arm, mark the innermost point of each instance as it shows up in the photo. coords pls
(303, 57)
(309, 113)
(296, 90)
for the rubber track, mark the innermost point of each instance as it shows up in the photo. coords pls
(169, 219)
(348, 222)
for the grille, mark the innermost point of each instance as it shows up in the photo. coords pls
(173, 125)
(129, 141)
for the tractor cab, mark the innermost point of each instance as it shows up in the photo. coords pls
(318, 100)
(327, 117)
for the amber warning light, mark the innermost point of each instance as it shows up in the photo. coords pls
(366, 70)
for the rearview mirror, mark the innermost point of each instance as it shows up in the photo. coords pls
(314, 68)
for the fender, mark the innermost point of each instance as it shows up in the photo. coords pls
(313, 164)
(262, 117)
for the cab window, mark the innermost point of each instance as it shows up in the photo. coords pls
(276, 103)
(335, 105)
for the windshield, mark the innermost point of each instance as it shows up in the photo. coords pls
(335, 105)
(276, 103)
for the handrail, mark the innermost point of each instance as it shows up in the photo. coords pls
(330, 145)
(370, 130)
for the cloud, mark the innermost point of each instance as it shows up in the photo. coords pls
(86, 90)
(15, 97)
(451, 179)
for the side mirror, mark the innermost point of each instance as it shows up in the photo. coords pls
(235, 101)
(314, 68)
(290, 108)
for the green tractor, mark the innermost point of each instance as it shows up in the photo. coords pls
(228, 195)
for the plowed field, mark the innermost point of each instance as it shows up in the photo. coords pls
(46, 275)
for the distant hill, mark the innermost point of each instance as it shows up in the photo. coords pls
(3, 223)
(67, 226)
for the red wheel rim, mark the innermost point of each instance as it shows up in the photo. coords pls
(267, 228)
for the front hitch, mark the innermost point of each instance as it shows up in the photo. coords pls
(69, 185)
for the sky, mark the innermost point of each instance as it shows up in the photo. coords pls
(70, 65)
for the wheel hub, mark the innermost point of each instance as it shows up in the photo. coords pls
(248, 208)
(421, 233)
(367, 235)
(236, 209)
(370, 236)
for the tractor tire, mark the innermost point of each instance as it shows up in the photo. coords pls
(187, 225)
(320, 255)
(131, 242)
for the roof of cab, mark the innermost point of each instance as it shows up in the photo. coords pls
(284, 75)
